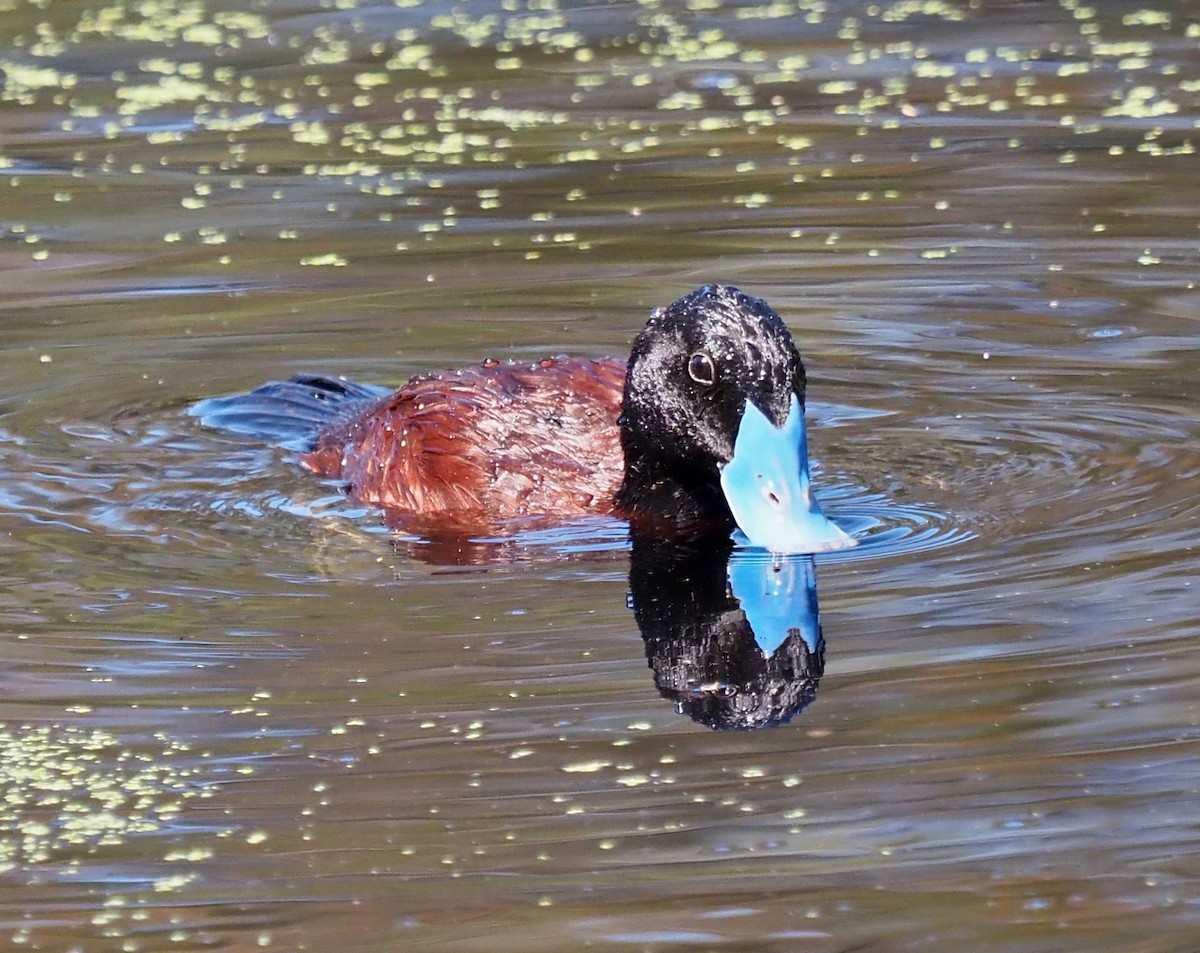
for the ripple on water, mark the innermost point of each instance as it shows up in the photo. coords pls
(205, 480)
(885, 528)
(1080, 471)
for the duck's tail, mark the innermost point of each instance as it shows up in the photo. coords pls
(290, 413)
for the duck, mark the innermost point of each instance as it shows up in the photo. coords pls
(700, 431)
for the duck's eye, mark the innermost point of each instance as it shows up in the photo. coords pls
(701, 369)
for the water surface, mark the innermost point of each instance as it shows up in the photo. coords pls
(235, 712)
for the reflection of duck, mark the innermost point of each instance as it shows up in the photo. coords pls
(704, 429)
(734, 640)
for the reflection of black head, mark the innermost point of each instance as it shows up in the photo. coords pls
(699, 640)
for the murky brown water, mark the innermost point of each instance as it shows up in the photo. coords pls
(234, 714)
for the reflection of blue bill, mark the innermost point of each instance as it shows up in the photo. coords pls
(769, 490)
(779, 596)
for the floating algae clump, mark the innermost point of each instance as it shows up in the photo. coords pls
(66, 791)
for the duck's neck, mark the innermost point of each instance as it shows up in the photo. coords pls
(663, 502)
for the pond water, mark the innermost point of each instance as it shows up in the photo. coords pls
(237, 713)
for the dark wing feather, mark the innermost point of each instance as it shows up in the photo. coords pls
(290, 413)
